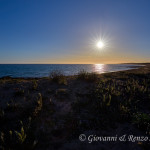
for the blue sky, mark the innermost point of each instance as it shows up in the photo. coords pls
(63, 31)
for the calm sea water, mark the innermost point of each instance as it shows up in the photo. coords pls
(43, 70)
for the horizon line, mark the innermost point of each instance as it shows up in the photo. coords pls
(71, 63)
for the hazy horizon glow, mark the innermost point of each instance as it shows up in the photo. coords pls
(68, 32)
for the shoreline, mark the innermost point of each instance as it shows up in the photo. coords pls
(137, 66)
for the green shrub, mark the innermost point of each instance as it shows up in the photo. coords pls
(83, 75)
(39, 104)
(35, 85)
(142, 120)
(21, 136)
(58, 77)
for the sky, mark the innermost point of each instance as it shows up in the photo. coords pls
(67, 31)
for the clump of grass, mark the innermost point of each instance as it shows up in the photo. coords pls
(2, 81)
(83, 75)
(18, 139)
(124, 109)
(58, 77)
(35, 85)
(39, 104)
(2, 113)
(2, 139)
(21, 136)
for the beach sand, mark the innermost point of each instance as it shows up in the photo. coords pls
(51, 113)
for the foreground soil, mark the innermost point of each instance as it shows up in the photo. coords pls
(51, 113)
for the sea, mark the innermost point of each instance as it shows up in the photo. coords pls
(44, 70)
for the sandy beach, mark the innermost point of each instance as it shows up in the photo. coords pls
(52, 113)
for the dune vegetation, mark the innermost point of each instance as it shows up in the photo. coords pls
(51, 113)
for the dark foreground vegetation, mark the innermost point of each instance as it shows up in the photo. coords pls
(51, 113)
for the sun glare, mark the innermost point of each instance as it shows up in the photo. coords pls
(99, 68)
(100, 44)
(100, 41)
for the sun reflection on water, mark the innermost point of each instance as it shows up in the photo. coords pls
(99, 68)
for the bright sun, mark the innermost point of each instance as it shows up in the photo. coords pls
(100, 44)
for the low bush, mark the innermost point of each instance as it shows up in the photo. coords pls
(35, 85)
(83, 75)
(58, 77)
